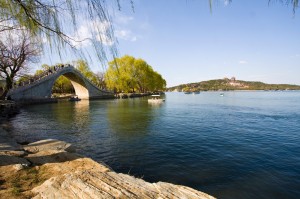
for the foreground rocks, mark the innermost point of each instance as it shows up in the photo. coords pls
(92, 184)
(45, 169)
(49, 144)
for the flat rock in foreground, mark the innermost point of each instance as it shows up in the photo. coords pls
(92, 184)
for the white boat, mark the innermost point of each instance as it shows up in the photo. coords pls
(187, 92)
(155, 99)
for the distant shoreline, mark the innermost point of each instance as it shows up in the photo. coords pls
(239, 91)
(232, 84)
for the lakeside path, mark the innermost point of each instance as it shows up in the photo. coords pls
(51, 169)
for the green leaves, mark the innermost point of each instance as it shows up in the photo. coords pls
(128, 74)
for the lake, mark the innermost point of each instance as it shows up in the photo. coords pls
(240, 145)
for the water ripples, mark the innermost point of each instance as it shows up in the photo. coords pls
(242, 145)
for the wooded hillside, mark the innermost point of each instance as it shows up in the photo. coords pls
(231, 84)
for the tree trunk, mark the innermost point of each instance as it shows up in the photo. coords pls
(8, 86)
(3, 95)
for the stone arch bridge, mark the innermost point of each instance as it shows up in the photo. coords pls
(41, 88)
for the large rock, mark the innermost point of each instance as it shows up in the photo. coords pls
(73, 176)
(92, 184)
(49, 144)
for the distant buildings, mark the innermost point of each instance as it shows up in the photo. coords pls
(233, 82)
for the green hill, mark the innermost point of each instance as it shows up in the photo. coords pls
(231, 84)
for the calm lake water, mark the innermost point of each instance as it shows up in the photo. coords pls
(241, 145)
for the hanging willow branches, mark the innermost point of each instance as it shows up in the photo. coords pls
(56, 22)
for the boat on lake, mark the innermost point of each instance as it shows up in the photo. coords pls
(221, 94)
(187, 92)
(74, 99)
(156, 99)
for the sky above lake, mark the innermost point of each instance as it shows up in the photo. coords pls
(187, 42)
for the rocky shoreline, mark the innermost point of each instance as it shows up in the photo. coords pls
(52, 169)
(8, 108)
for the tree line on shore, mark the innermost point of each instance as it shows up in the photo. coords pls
(125, 74)
(231, 84)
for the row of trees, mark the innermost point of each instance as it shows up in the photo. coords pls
(127, 74)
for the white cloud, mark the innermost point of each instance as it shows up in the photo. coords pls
(134, 38)
(90, 30)
(243, 62)
(226, 2)
(122, 19)
(123, 27)
(126, 35)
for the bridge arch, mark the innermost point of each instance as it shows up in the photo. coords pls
(79, 85)
(41, 89)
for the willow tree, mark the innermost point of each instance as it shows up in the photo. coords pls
(128, 74)
(56, 21)
(84, 68)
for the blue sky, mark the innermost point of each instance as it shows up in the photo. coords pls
(185, 42)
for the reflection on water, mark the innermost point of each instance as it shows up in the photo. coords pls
(72, 113)
(241, 145)
(50, 120)
(130, 117)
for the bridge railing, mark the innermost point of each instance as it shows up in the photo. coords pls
(40, 77)
(57, 68)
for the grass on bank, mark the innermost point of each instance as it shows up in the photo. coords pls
(18, 184)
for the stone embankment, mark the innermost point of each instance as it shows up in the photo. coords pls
(8, 108)
(51, 169)
(130, 95)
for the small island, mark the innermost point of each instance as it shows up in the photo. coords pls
(231, 84)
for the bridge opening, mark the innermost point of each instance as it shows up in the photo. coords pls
(62, 87)
(69, 84)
